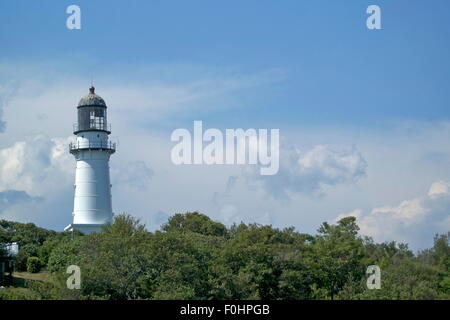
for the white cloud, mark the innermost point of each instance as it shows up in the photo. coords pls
(37, 166)
(438, 189)
(311, 171)
(36, 178)
(413, 221)
(331, 167)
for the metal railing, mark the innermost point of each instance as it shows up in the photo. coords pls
(102, 145)
(92, 126)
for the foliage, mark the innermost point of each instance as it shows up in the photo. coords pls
(33, 264)
(194, 222)
(338, 255)
(30, 239)
(18, 294)
(64, 254)
(193, 257)
(23, 233)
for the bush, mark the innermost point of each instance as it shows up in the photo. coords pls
(64, 254)
(33, 265)
(26, 251)
(18, 294)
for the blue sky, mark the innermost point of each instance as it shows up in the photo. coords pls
(310, 68)
(337, 71)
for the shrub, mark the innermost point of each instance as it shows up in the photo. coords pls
(26, 251)
(33, 264)
(17, 294)
(64, 254)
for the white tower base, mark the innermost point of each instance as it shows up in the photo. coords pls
(85, 228)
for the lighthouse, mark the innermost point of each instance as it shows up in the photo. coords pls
(92, 207)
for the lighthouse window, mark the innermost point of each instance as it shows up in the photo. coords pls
(92, 118)
(97, 119)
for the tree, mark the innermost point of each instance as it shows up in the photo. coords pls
(181, 264)
(441, 251)
(338, 255)
(260, 262)
(194, 257)
(115, 262)
(29, 236)
(194, 222)
(66, 253)
(404, 279)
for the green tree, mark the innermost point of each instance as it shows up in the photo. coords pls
(29, 237)
(404, 279)
(338, 255)
(66, 253)
(115, 262)
(194, 257)
(260, 262)
(194, 222)
(441, 251)
(184, 255)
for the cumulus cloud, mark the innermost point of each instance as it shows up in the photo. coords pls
(311, 171)
(36, 166)
(36, 178)
(414, 221)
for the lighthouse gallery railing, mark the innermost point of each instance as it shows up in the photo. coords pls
(76, 146)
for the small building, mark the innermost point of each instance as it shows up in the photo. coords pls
(7, 262)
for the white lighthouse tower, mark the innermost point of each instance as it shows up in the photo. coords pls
(92, 201)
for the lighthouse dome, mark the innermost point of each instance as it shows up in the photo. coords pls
(92, 99)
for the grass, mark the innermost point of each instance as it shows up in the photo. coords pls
(26, 286)
(40, 276)
(20, 279)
